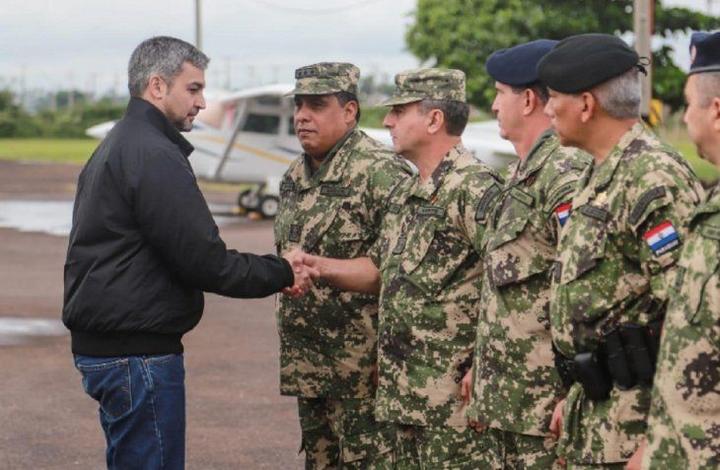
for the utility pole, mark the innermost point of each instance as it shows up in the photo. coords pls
(644, 24)
(198, 24)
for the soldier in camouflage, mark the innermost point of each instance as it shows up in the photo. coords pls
(515, 385)
(684, 424)
(616, 252)
(431, 273)
(333, 198)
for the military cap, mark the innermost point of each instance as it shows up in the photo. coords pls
(325, 78)
(432, 84)
(517, 66)
(578, 63)
(704, 52)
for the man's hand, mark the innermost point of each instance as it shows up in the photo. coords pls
(304, 271)
(635, 461)
(556, 423)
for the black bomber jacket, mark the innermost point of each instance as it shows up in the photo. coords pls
(144, 246)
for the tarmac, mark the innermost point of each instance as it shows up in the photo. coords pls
(236, 418)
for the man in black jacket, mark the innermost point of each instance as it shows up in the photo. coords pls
(143, 248)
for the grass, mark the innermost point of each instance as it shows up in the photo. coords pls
(48, 150)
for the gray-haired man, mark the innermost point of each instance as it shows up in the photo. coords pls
(142, 250)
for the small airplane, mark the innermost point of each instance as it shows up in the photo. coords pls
(248, 137)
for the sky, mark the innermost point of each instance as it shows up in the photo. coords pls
(85, 44)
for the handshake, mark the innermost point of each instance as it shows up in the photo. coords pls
(306, 270)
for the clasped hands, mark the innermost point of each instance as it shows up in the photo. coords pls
(304, 268)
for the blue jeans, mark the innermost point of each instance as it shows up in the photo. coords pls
(142, 408)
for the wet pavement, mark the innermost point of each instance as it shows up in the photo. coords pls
(236, 417)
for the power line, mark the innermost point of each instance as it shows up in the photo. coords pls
(316, 11)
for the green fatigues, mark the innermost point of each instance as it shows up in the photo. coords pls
(515, 384)
(684, 423)
(430, 274)
(328, 337)
(609, 275)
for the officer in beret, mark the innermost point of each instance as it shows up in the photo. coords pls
(332, 201)
(516, 387)
(685, 413)
(617, 251)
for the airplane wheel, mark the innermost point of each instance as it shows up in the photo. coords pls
(248, 200)
(269, 206)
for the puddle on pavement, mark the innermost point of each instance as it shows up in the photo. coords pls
(55, 217)
(16, 330)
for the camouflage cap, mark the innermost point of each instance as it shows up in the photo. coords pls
(432, 84)
(326, 78)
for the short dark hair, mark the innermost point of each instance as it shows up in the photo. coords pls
(456, 113)
(540, 90)
(162, 55)
(344, 97)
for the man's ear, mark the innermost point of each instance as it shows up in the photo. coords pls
(157, 87)
(589, 106)
(436, 121)
(350, 111)
(530, 101)
(714, 110)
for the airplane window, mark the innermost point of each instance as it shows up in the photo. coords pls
(291, 126)
(262, 123)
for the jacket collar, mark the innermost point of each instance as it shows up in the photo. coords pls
(332, 168)
(143, 110)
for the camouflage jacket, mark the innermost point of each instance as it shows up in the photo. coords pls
(684, 423)
(611, 271)
(431, 275)
(515, 384)
(328, 337)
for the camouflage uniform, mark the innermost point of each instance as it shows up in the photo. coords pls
(609, 274)
(515, 384)
(328, 337)
(431, 274)
(684, 424)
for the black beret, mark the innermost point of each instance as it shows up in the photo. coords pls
(578, 63)
(704, 52)
(517, 65)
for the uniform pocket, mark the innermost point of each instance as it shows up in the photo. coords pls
(107, 381)
(366, 447)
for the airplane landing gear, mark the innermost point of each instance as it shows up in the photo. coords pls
(255, 200)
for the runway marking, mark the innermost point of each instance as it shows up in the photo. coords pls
(55, 217)
(15, 330)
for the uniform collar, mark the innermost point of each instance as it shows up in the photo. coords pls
(143, 110)
(711, 204)
(539, 153)
(605, 171)
(333, 166)
(427, 189)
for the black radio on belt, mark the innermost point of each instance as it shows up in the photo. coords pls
(626, 358)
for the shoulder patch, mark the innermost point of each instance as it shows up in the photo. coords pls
(643, 203)
(662, 238)
(562, 212)
(483, 206)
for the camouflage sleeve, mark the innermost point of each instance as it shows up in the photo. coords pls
(384, 188)
(660, 201)
(479, 198)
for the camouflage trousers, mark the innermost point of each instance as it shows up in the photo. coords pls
(443, 448)
(343, 434)
(524, 452)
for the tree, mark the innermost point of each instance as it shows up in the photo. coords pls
(463, 33)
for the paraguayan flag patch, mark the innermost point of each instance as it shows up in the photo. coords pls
(563, 213)
(662, 238)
